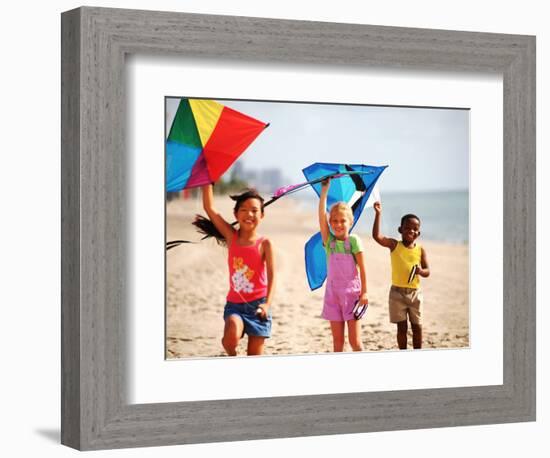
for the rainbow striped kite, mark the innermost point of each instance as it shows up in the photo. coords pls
(205, 139)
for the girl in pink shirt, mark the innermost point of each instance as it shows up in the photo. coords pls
(251, 270)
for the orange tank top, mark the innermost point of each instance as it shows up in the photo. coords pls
(247, 272)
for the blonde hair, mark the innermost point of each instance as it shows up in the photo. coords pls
(342, 207)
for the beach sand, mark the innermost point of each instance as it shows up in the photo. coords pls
(197, 285)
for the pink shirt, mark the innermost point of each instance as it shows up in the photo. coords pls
(247, 272)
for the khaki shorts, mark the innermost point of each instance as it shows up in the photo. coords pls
(403, 302)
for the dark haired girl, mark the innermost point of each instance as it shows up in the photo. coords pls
(251, 270)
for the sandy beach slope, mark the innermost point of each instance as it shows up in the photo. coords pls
(197, 284)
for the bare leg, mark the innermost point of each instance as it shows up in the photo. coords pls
(402, 335)
(354, 335)
(337, 328)
(232, 333)
(255, 345)
(417, 335)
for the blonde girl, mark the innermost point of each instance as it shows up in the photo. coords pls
(346, 285)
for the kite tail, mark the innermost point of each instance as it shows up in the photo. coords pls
(206, 227)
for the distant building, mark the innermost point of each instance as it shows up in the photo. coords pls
(251, 177)
(271, 179)
(264, 180)
(236, 172)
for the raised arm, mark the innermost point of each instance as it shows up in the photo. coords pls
(323, 225)
(221, 224)
(381, 239)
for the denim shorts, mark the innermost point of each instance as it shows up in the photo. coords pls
(246, 311)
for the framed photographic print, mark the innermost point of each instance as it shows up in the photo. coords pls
(138, 374)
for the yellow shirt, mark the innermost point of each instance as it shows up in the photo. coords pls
(402, 261)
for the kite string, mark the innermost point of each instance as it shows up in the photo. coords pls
(284, 190)
(281, 192)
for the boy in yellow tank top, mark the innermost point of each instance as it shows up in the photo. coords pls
(408, 263)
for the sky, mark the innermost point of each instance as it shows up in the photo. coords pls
(426, 149)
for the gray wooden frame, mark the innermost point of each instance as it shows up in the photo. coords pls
(95, 41)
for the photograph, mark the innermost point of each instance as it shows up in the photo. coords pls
(297, 228)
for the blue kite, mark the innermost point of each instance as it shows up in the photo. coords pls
(354, 185)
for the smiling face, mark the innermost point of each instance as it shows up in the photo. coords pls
(340, 223)
(249, 214)
(409, 230)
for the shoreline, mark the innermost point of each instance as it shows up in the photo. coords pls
(185, 213)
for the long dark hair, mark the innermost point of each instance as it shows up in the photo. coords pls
(206, 227)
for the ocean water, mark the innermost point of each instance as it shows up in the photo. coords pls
(444, 215)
